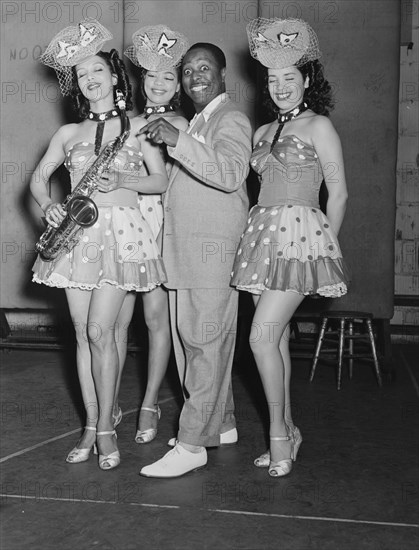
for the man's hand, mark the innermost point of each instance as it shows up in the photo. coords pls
(160, 131)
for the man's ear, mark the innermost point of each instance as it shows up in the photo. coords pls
(223, 74)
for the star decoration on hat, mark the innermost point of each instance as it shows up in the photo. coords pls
(86, 35)
(286, 39)
(144, 38)
(68, 50)
(165, 44)
(261, 38)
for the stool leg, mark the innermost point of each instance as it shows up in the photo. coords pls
(341, 342)
(319, 345)
(374, 352)
(351, 349)
(294, 328)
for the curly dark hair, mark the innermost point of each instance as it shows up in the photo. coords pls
(117, 67)
(318, 95)
(176, 99)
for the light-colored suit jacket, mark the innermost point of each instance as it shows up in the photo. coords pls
(206, 203)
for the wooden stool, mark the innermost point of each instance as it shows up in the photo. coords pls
(346, 334)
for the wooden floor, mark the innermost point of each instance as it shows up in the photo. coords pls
(355, 483)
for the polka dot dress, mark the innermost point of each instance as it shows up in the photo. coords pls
(152, 209)
(119, 249)
(288, 243)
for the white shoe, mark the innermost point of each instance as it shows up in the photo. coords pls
(176, 463)
(148, 435)
(227, 438)
(264, 459)
(77, 454)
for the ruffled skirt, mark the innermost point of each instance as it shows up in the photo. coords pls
(119, 249)
(290, 248)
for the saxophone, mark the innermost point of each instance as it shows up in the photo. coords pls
(81, 211)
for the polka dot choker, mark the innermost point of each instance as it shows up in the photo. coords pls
(157, 110)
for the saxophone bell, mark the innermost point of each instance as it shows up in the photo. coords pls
(82, 210)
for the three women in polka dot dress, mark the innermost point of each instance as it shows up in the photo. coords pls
(289, 248)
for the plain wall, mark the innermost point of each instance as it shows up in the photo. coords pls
(360, 45)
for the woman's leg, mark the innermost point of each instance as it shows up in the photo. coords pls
(286, 358)
(156, 315)
(122, 326)
(105, 306)
(78, 303)
(284, 350)
(269, 341)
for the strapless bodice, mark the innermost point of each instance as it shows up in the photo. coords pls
(81, 155)
(289, 174)
(128, 160)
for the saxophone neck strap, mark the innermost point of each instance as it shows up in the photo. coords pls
(101, 118)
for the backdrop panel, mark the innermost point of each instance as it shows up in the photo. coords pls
(360, 44)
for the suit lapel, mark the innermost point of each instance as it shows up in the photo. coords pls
(200, 124)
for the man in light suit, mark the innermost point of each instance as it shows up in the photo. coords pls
(205, 209)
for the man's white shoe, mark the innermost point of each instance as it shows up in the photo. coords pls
(176, 463)
(227, 438)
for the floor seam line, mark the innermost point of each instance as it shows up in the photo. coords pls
(62, 436)
(217, 510)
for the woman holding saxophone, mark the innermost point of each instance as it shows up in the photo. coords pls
(117, 256)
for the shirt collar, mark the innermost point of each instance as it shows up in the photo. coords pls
(212, 105)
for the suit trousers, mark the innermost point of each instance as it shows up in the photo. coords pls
(204, 325)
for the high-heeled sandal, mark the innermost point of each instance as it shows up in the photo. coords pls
(77, 454)
(282, 467)
(108, 462)
(145, 436)
(264, 459)
(117, 419)
(297, 440)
